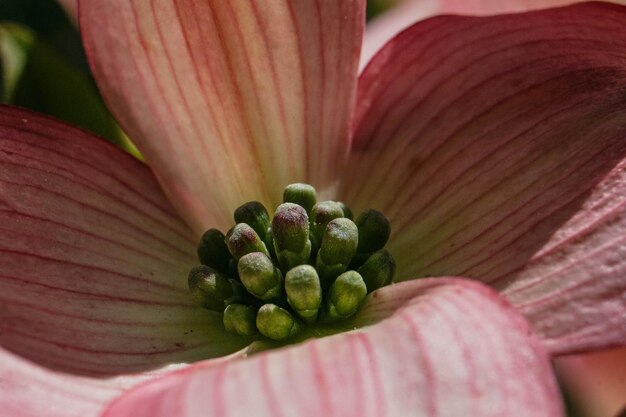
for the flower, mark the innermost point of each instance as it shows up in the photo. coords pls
(495, 145)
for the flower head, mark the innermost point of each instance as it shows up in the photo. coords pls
(495, 146)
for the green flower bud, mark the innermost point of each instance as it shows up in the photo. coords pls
(338, 247)
(304, 292)
(276, 323)
(378, 270)
(212, 251)
(240, 294)
(209, 288)
(254, 215)
(374, 231)
(240, 319)
(290, 228)
(321, 214)
(347, 213)
(300, 194)
(242, 239)
(260, 277)
(345, 296)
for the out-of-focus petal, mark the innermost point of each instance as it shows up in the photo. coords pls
(441, 347)
(229, 101)
(497, 146)
(71, 8)
(93, 259)
(382, 29)
(595, 382)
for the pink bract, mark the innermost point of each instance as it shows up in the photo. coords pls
(496, 146)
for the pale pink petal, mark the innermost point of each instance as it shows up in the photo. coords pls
(93, 260)
(229, 101)
(444, 347)
(499, 153)
(28, 390)
(384, 27)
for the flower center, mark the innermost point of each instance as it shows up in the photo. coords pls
(311, 263)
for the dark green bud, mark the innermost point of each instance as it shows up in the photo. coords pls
(240, 319)
(242, 239)
(209, 288)
(260, 277)
(269, 243)
(300, 194)
(254, 215)
(290, 229)
(212, 251)
(345, 296)
(276, 323)
(347, 213)
(374, 231)
(240, 294)
(304, 292)
(378, 270)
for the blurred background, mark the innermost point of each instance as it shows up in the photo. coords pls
(43, 67)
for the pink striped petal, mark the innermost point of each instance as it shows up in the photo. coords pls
(501, 148)
(382, 29)
(445, 347)
(93, 260)
(229, 101)
(29, 390)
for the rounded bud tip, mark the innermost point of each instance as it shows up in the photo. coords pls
(209, 288)
(276, 323)
(254, 214)
(303, 195)
(378, 270)
(346, 295)
(304, 291)
(240, 319)
(212, 250)
(260, 277)
(242, 240)
(340, 241)
(374, 230)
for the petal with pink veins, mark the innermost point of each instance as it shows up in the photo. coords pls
(93, 259)
(229, 101)
(29, 390)
(441, 347)
(407, 12)
(499, 153)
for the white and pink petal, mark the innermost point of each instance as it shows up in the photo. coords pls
(229, 101)
(501, 147)
(440, 347)
(93, 259)
(407, 12)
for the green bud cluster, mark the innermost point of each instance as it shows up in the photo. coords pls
(309, 263)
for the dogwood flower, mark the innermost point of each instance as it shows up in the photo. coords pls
(495, 146)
